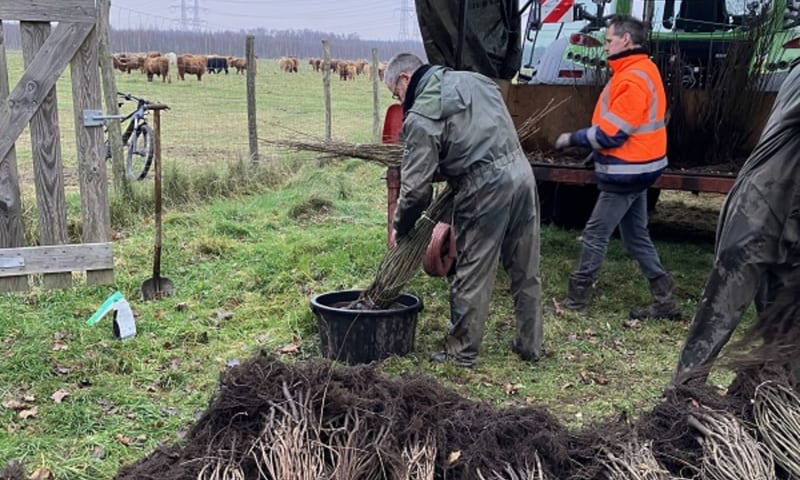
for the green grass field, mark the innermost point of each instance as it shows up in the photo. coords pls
(79, 403)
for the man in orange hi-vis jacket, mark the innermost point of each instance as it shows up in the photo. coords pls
(629, 139)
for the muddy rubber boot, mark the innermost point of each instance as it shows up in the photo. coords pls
(578, 292)
(663, 306)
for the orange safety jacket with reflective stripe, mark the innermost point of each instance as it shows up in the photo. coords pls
(628, 132)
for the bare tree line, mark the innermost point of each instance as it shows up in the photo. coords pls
(269, 43)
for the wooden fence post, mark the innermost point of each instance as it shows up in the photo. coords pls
(121, 181)
(48, 167)
(96, 215)
(252, 131)
(326, 86)
(376, 116)
(12, 233)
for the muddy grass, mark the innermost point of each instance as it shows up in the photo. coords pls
(252, 425)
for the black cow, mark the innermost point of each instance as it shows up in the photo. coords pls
(217, 64)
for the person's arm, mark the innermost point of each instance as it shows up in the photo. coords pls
(420, 161)
(627, 106)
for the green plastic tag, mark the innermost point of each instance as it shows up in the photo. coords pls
(105, 307)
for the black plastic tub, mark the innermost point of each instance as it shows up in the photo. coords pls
(363, 336)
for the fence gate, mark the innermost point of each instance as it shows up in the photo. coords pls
(32, 101)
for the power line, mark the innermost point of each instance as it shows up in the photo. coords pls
(405, 10)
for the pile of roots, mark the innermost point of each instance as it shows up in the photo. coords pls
(313, 420)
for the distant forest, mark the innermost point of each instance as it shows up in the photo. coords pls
(269, 43)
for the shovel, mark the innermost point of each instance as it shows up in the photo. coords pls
(157, 286)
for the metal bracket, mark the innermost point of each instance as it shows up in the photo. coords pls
(17, 261)
(95, 118)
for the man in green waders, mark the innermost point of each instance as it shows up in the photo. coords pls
(758, 245)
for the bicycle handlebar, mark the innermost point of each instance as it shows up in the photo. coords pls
(128, 96)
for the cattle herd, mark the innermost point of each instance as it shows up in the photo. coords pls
(160, 65)
(347, 69)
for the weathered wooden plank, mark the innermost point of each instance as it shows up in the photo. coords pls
(109, 81)
(38, 79)
(12, 232)
(78, 11)
(48, 168)
(56, 258)
(326, 86)
(95, 211)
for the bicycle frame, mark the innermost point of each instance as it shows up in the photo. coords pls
(137, 118)
(137, 139)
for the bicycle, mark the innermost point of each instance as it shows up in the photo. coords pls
(138, 137)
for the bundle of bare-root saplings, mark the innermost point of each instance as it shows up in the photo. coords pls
(314, 420)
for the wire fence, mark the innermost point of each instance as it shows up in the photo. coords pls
(208, 118)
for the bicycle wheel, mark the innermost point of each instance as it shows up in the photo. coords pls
(140, 152)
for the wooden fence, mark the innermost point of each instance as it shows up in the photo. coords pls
(47, 50)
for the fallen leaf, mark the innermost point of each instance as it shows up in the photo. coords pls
(600, 379)
(141, 438)
(30, 413)
(291, 348)
(262, 338)
(61, 370)
(453, 457)
(59, 346)
(59, 395)
(223, 315)
(99, 453)
(567, 385)
(14, 404)
(633, 324)
(41, 474)
(123, 439)
(131, 415)
(58, 336)
(29, 398)
(590, 333)
(181, 306)
(512, 389)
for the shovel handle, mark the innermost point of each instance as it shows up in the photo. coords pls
(157, 200)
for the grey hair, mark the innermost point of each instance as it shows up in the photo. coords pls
(628, 24)
(400, 63)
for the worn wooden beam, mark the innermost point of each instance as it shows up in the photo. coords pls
(252, 130)
(48, 167)
(109, 81)
(74, 11)
(38, 79)
(326, 86)
(95, 211)
(12, 232)
(56, 258)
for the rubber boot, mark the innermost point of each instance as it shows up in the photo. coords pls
(578, 292)
(663, 306)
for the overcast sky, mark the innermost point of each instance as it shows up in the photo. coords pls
(369, 19)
